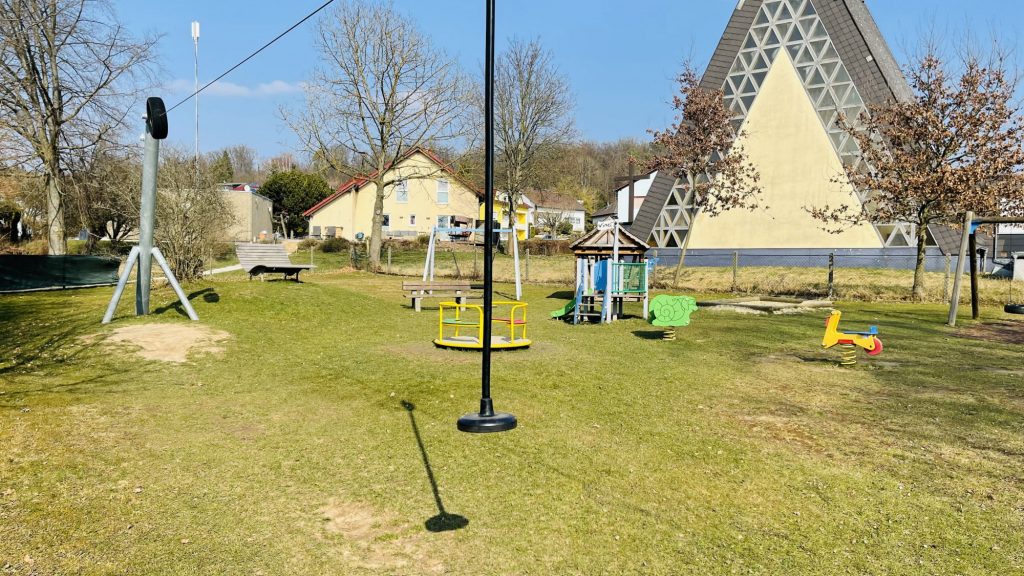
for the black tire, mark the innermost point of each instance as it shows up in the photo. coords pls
(156, 118)
(1014, 308)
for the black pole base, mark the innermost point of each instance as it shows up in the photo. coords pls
(478, 423)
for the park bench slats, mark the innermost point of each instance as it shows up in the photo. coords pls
(459, 290)
(262, 258)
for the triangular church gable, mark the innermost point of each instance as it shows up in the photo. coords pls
(840, 58)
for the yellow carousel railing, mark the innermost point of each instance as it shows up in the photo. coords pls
(461, 318)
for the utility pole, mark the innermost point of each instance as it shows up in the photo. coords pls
(195, 43)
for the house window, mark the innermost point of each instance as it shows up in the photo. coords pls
(442, 191)
(387, 220)
(444, 221)
(402, 191)
(412, 219)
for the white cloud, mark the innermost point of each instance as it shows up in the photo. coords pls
(230, 89)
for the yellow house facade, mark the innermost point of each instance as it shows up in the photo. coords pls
(522, 225)
(426, 193)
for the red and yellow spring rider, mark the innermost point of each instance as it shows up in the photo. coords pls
(848, 342)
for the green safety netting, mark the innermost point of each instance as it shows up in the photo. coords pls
(19, 273)
(632, 277)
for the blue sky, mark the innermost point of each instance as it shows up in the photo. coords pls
(620, 56)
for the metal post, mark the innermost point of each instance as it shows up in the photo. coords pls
(954, 303)
(972, 247)
(654, 270)
(735, 271)
(147, 215)
(133, 258)
(515, 262)
(831, 275)
(487, 420)
(174, 284)
(949, 274)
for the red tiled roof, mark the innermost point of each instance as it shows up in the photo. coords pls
(357, 183)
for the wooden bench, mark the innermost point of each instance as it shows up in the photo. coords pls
(258, 259)
(452, 289)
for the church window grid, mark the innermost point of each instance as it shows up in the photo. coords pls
(794, 26)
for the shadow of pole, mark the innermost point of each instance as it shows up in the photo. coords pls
(443, 521)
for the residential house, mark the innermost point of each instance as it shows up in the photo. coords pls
(427, 193)
(640, 190)
(554, 207)
(523, 214)
(608, 213)
(253, 213)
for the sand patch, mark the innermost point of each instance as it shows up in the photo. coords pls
(167, 342)
(376, 541)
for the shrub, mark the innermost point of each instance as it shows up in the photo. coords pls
(422, 240)
(538, 247)
(565, 228)
(308, 243)
(334, 245)
(223, 250)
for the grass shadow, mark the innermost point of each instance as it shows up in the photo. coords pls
(443, 521)
(208, 294)
(649, 334)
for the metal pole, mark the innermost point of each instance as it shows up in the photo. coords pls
(133, 257)
(831, 275)
(487, 420)
(972, 247)
(949, 274)
(735, 271)
(195, 42)
(954, 303)
(147, 215)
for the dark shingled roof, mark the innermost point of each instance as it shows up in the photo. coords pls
(646, 217)
(856, 37)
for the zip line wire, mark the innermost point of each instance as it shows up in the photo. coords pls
(251, 56)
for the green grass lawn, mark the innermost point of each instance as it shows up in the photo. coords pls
(738, 449)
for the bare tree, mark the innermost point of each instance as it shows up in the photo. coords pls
(702, 149)
(192, 218)
(69, 73)
(533, 107)
(243, 161)
(956, 146)
(381, 90)
(550, 221)
(102, 192)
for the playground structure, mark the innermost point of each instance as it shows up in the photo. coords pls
(429, 264)
(461, 326)
(671, 312)
(969, 253)
(145, 252)
(611, 269)
(848, 342)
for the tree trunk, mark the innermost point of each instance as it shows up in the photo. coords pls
(917, 292)
(682, 254)
(55, 216)
(377, 234)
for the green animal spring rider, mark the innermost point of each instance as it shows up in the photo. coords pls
(671, 312)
